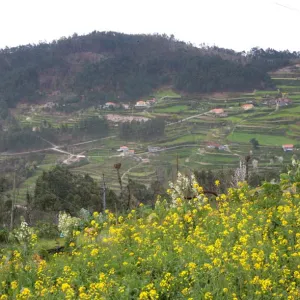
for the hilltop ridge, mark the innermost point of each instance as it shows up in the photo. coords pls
(116, 66)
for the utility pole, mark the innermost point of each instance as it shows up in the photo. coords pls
(104, 194)
(247, 160)
(13, 201)
(177, 166)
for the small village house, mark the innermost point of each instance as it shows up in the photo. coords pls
(125, 106)
(288, 147)
(141, 104)
(248, 106)
(212, 145)
(283, 102)
(151, 101)
(128, 153)
(217, 111)
(123, 149)
(110, 105)
(153, 149)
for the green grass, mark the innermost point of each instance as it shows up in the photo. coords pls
(172, 109)
(29, 183)
(166, 93)
(262, 139)
(186, 139)
(261, 93)
(291, 110)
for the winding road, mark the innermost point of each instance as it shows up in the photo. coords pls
(188, 118)
(53, 148)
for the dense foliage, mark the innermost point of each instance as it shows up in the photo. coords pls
(142, 131)
(106, 65)
(61, 190)
(243, 245)
(18, 138)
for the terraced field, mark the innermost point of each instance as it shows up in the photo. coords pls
(185, 142)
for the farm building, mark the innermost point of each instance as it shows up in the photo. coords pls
(217, 111)
(110, 105)
(279, 102)
(128, 153)
(74, 159)
(213, 145)
(153, 149)
(123, 149)
(125, 106)
(284, 102)
(288, 147)
(247, 106)
(141, 104)
(152, 101)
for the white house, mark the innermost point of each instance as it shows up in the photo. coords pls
(288, 147)
(110, 105)
(125, 106)
(128, 153)
(123, 149)
(141, 104)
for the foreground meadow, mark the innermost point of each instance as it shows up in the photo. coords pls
(244, 245)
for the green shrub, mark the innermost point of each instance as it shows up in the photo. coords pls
(4, 235)
(47, 230)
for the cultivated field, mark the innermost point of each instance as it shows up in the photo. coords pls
(190, 129)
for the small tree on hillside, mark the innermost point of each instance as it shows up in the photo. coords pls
(255, 143)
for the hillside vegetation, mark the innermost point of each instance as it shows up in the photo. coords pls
(242, 245)
(108, 65)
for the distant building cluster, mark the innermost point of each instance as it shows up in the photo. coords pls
(212, 145)
(145, 104)
(125, 151)
(113, 105)
(281, 102)
(152, 149)
(141, 104)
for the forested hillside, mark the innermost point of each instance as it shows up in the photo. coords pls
(108, 65)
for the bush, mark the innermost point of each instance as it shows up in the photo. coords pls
(4, 235)
(47, 230)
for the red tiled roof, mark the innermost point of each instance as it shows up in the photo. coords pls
(247, 105)
(218, 110)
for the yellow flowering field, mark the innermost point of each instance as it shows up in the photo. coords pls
(244, 245)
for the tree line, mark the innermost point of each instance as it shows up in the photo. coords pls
(106, 65)
(142, 131)
(21, 138)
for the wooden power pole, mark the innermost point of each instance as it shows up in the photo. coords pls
(13, 202)
(177, 166)
(104, 194)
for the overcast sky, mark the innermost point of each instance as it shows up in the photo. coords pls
(235, 24)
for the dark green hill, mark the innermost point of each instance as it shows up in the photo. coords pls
(108, 65)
